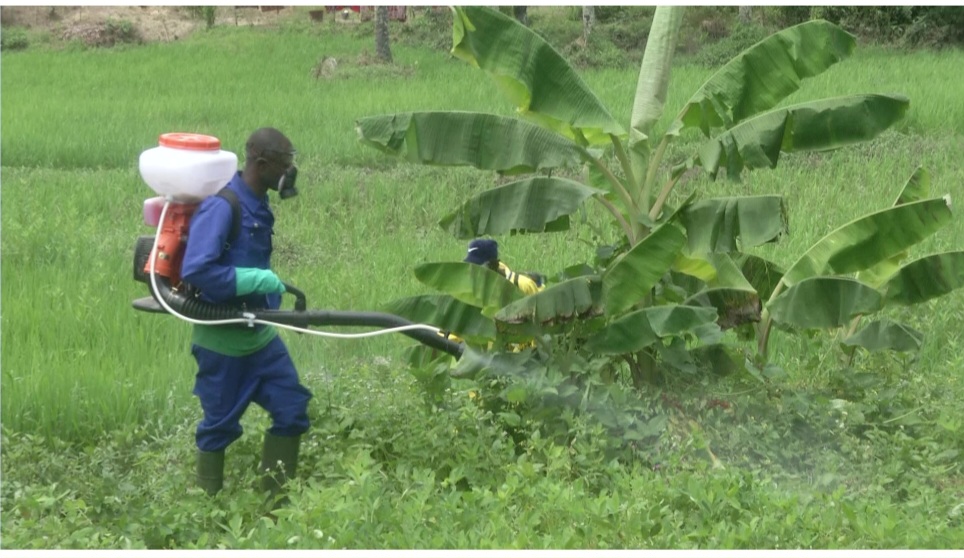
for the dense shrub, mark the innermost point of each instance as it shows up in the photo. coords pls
(207, 14)
(14, 38)
(629, 34)
(430, 26)
(930, 26)
(118, 31)
(615, 42)
(882, 23)
(558, 31)
(601, 52)
(741, 38)
(784, 16)
(107, 34)
(617, 14)
(937, 26)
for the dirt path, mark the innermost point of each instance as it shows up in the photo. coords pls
(153, 23)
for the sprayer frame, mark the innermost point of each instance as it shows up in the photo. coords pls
(194, 308)
(169, 298)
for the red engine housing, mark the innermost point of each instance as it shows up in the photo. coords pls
(172, 242)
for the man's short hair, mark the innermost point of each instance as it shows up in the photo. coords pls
(266, 140)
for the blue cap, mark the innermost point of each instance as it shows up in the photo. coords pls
(482, 251)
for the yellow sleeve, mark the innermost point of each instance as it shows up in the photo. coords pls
(525, 284)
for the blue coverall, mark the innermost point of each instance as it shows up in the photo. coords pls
(238, 364)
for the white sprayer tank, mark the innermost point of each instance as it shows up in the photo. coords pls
(187, 167)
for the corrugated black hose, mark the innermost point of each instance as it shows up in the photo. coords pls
(195, 308)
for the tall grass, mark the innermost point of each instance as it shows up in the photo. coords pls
(94, 109)
(80, 365)
(72, 134)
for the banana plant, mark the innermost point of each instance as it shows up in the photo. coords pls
(856, 271)
(685, 265)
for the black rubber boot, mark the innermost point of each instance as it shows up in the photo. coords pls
(210, 471)
(279, 462)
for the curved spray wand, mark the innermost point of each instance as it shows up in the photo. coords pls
(193, 310)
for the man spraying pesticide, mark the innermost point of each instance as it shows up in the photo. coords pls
(210, 264)
(485, 252)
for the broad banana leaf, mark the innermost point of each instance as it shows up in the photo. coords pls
(496, 363)
(917, 188)
(877, 275)
(653, 79)
(531, 205)
(576, 298)
(929, 277)
(728, 273)
(886, 335)
(694, 266)
(637, 330)
(445, 313)
(577, 270)
(714, 225)
(812, 126)
(727, 290)
(679, 319)
(763, 275)
(720, 359)
(634, 273)
(536, 78)
(868, 240)
(734, 307)
(483, 141)
(760, 77)
(824, 302)
(669, 212)
(673, 356)
(472, 284)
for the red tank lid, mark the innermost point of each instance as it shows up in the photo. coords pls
(195, 142)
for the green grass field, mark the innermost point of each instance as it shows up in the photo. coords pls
(97, 411)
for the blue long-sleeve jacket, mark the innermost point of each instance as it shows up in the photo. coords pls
(211, 257)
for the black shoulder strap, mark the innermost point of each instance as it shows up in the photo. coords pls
(232, 198)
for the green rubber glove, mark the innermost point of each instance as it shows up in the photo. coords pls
(249, 280)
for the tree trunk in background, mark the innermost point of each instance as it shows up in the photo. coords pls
(745, 14)
(522, 14)
(588, 21)
(383, 49)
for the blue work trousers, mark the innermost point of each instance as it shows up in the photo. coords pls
(226, 385)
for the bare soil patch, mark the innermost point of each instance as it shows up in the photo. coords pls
(150, 23)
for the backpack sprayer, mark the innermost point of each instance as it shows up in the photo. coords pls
(183, 170)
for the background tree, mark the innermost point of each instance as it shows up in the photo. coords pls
(588, 21)
(521, 14)
(383, 48)
(208, 14)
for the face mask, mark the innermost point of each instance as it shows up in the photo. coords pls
(286, 185)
